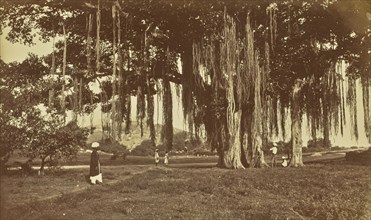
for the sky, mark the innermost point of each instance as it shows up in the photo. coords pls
(16, 52)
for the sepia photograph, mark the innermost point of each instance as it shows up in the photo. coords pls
(185, 109)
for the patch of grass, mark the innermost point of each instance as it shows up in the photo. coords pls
(317, 191)
(359, 157)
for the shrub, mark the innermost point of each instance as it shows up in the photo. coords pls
(110, 145)
(50, 140)
(318, 143)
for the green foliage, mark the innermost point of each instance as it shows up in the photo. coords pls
(21, 124)
(310, 35)
(112, 146)
(310, 23)
(11, 136)
(49, 139)
(23, 84)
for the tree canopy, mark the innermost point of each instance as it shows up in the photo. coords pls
(244, 63)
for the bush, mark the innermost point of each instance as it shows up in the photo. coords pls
(51, 140)
(336, 148)
(145, 149)
(11, 138)
(112, 146)
(318, 143)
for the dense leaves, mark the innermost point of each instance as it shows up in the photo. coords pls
(23, 127)
(49, 139)
(294, 40)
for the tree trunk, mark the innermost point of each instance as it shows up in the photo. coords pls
(265, 122)
(89, 45)
(75, 107)
(263, 86)
(366, 107)
(314, 130)
(232, 159)
(97, 46)
(248, 139)
(150, 120)
(105, 116)
(127, 96)
(120, 90)
(326, 126)
(257, 126)
(52, 73)
(42, 166)
(297, 143)
(168, 115)
(91, 115)
(121, 99)
(187, 85)
(326, 102)
(352, 103)
(220, 163)
(140, 108)
(63, 95)
(114, 77)
(150, 100)
(127, 113)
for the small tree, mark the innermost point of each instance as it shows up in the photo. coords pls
(11, 136)
(49, 139)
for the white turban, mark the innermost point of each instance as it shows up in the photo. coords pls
(95, 145)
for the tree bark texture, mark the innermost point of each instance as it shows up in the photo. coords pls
(297, 142)
(232, 159)
(168, 115)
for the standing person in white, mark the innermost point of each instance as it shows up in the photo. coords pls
(95, 169)
(274, 153)
(166, 159)
(284, 162)
(157, 157)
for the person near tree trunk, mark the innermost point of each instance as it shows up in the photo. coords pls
(157, 157)
(166, 159)
(284, 161)
(274, 153)
(95, 169)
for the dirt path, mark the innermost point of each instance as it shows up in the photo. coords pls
(105, 181)
(307, 158)
(28, 189)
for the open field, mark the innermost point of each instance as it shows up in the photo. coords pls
(332, 190)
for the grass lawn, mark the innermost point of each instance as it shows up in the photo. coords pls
(84, 158)
(318, 191)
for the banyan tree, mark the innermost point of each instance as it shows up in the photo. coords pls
(248, 67)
